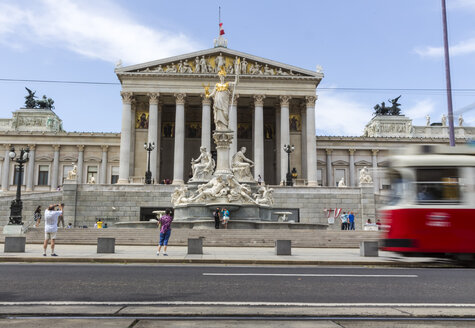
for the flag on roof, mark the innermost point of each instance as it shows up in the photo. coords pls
(221, 30)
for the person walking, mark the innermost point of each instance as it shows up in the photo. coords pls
(216, 218)
(164, 224)
(351, 220)
(51, 226)
(37, 216)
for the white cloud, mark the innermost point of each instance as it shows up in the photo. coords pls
(462, 48)
(100, 30)
(462, 4)
(419, 110)
(338, 116)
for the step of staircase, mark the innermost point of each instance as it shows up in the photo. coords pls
(220, 237)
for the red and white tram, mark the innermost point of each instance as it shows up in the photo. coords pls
(432, 210)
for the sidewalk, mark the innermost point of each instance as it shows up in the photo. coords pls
(217, 255)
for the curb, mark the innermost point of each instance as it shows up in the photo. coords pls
(223, 261)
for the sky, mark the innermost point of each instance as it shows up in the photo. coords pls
(370, 51)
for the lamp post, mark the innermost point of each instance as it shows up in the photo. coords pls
(288, 149)
(148, 174)
(17, 205)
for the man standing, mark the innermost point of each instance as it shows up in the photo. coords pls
(216, 218)
(344, 221)
(351, 219)
(51, 226)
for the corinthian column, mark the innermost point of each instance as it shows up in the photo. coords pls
(233, 124)
(352, 167)
(284, 134)
(31, 168)
(103, 177)
(124, 138)
(54, 176)
(206, 123)
(258, 136)
(79, 178)
(329, 168)
(179, 139)
(311, 142)
(153, 132)
(6, 168)
(375, 170)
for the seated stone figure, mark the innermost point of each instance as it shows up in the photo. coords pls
(239, 192)
(241, 166)
(203, 166)
(180, 196)
(341, 183)
(364, 176)
(73, 173)
(214, 189)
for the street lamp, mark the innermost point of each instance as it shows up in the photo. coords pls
(148, 174)
(17, 205)
(288, 149)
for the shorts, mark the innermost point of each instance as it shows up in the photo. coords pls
(50, 235)
(164, 236)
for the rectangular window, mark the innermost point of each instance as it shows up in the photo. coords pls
(438, 185)
(92, 174)
(114, 174)
(43, 171)
(319, 177)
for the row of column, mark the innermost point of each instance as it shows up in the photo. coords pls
(330, 181)
(54, 177)
(127, 142)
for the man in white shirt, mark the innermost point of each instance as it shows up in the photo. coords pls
(51, 226)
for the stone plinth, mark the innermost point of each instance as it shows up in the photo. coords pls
(195, 245)
(283, 247)
(369, 248)
(14, 245)
(105, 245)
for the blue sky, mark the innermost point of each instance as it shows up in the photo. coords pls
(364, 44)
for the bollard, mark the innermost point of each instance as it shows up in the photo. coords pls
(283, 247)
(369, 248)
(195, 245)
(14, 245)
(105, 245)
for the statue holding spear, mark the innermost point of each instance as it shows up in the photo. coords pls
(220, 95)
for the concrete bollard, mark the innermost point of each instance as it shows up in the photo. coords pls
(195, 245)
(14, 245)
(369, 248)
(283, 247)
(105, 245)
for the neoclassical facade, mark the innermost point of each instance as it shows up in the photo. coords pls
(163, 103)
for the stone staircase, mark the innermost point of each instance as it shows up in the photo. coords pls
(221, 237)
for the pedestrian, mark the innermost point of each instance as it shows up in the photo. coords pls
(216, 218)
(164, 224)
(259, 180)
(225, 214)
(344, 221)
(99, 224)
(61, 217)
(37, 216)
(351, 220)
(51, 226)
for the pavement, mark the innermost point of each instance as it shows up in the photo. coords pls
(218, 255)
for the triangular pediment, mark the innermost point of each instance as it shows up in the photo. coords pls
(206, 62)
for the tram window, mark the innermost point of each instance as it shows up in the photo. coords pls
(438, 185)
(397, 186)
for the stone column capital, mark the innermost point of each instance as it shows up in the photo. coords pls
(375, 151)
(105, 148)
(180, 98)
(80, 147)
(311, 100)
(32, 146)
(259, 100)
(127, 97)
(56, 147)
(284, 101)
(329, 151)
(153, 97)
(352, 151)
(205, 100)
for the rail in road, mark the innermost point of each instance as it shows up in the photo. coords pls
(220, 237)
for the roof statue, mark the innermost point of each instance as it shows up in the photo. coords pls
(393, 110)
(43, 103)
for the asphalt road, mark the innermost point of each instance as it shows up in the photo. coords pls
(159, 283)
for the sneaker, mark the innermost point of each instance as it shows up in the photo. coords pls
(165, 254)
(44, 254)
(158, 253)
(54, 254)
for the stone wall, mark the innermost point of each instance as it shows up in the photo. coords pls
(84, 203)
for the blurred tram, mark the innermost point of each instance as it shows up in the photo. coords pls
(432, 210)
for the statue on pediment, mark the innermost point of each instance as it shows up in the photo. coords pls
(281, 72)
(159, 69)
(244, 66)
(219, 62)
(171, 68)
(268, 70)
(197, 65)
(444, 120)
(255, 69)
(203, 65)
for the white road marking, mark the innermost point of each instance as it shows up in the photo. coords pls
(207, 303)
(313, 275)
